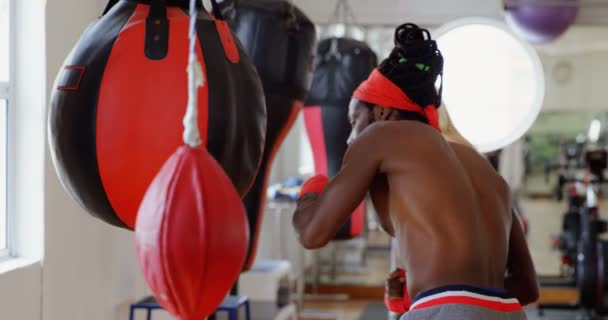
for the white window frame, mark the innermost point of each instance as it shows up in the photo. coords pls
(7, 94)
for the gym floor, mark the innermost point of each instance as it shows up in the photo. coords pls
(545, 220)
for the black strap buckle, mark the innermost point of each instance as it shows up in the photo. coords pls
(157, 31)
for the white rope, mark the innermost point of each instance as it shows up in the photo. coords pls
(192, 136)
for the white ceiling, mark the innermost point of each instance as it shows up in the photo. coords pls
(392, 12)
(590, 32)
(434, 12)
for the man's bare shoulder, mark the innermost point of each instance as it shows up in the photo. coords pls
(466, 150)
(393, 140)
(375, 141)
(480, 165)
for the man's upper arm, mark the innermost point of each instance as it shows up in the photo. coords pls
(520, 268)
(519, 259)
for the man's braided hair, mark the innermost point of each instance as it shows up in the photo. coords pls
(415, 64)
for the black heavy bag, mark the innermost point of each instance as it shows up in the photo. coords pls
(281, 41)
(119, 100)
(342, 64)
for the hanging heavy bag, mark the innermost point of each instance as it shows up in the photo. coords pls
(281, 42)
(118, 102)
(342, 64)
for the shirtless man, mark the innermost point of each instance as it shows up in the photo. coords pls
(464, 252)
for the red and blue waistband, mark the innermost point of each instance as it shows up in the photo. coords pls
(489, 298)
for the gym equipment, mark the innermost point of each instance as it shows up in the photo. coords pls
(479, 53)
(571, 157)
(541, 21)
(567, 241)
(576, 158)
(590, 274)
(188, 256)
(280, 40)
(118, 103)
(230, 305)
(597, 162)
(342, 64)
(287, 190)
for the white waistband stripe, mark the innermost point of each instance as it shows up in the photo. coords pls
(463, 294)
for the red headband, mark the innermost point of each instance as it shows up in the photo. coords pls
(381, 91)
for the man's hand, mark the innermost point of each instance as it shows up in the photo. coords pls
(395, 284)
(521, 280)
(396, 298)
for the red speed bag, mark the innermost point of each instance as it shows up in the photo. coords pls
(286, 73)
(341, 65)
(119, 100)
(191, 234)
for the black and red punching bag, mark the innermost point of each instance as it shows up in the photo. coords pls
(117, 107)
(280, 40)
(341, 65)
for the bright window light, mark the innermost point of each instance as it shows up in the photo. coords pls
(3, 140)
(594, 131)
(4, 104)
(493, 82)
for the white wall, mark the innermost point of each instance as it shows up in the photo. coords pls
(581, 84)
(20, 293)
(585, 89)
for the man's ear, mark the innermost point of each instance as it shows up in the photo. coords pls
(384, 114)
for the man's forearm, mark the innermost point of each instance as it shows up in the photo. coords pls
(303, 223)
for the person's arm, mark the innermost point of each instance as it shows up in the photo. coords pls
(521, 280)
(319, 217)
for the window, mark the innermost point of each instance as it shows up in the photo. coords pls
(4, 105)
(4, 41)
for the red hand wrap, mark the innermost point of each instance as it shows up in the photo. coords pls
(399, 305)
(395, 305)
(315, 184)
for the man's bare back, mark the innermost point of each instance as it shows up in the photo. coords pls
(448, 208)
(443, 202)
